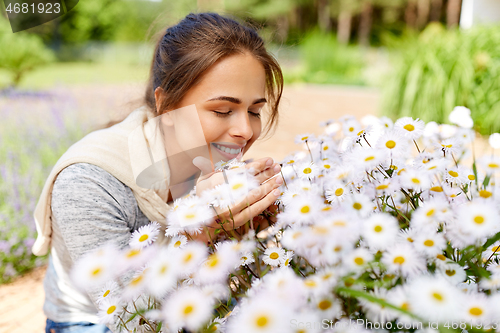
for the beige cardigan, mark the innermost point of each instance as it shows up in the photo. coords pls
(131, 152)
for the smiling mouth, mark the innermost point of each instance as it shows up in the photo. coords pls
(232, 150)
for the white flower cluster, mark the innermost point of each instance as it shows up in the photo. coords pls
(378, 220)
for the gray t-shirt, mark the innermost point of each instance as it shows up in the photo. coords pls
(90, 207)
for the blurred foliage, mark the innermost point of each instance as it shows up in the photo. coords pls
(21, 52)
(440, 69)
(324, 60)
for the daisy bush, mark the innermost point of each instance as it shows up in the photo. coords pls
(380, 225)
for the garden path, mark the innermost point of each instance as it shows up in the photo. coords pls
(303, 108)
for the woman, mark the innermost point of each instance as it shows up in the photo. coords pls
(92, 195)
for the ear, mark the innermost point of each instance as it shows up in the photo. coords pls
(159, 97)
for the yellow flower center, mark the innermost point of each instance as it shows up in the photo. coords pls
(111, 309)
(349, 282)
(357, 206)
(399, 260)
(177, 244)
(415, 180)
(429, 242)
(493, 165)
(237, 186)
(96, 271)
(132, 253)
(274, 255)
(190, 216)
(438, 296)
(485, 194)
(450, 272)
(409, 239)
(305, 210)
(143, 238)
(369, 158)
(377, 228)
(495, 248)
(261, 321)
(339, 191)
(475, 311)
(471, 177)
(307, 171)
(351, 129)
(106, 293)
(382, 187)
(453, 173)
(390, 144)
(359, 261)
(188, 309)
(436, 189)
(441, 257)
(188, 257)
(324, 305)
(310, 283)
(430, 212)
(136, 280)
(479, 219)
(405, 306)
(409, 127)
(326, 166)
(212, 261)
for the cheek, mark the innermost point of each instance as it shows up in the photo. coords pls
(213, 127)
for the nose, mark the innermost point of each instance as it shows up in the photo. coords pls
(242, 128)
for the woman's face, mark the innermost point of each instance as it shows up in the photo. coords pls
(229, 98)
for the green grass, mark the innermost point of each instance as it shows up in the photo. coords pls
(79, 73)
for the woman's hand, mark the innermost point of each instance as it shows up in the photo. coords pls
(255, 202)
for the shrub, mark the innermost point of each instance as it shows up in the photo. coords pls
(24, 52)
(440, 69)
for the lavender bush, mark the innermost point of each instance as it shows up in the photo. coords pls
(36, 129)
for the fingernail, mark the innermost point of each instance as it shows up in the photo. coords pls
(279, 180)
(269, 162)
(277, 192)
(277, 168)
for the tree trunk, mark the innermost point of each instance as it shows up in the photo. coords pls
(423, 8)
(436, 8)
(410, 14)
(324, 21)
(344, 24)
(453, 13)
(365, 23)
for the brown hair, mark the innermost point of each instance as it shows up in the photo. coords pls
(198, 41)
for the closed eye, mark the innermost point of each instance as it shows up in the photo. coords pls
(222, 114)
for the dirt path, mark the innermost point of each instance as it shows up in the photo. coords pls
(302, 109)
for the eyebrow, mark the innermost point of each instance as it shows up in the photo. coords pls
(236, 100)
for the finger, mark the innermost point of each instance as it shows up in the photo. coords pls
(268, 173)
(257, 194)
(203, 164)
(257, 208)
(260, 165)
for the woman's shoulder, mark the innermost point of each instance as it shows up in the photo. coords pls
(84, 186)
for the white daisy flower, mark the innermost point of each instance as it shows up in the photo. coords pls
(178, 242)
(351, 127)
(145, 235)
(161, 274)
(359, 203)
(398, 296)
(246, 259)
(274, 256)
(380, 231)
(307, 170)
(415, 180)
(216, 325)
(134, 258)
(457, 175)
(136, 286)
(478, 219)
(490, 164)
(449, 147)
(336, 191)
(435, 299)
(402, 259)
(461, 116)
(260, 315)
(240, 183)
(303, 138)
(429, 243)
(109, 309)
(187, 308)
(409, 128)
(494, 140)
(477, 309)
(217, 266)
(287, 258)
(189, 217)
(95, 268)
(190, 257)
(393, 142)
(452, 272)
(327, 306)
(358, 259)
(303, 209)
(107, 291)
